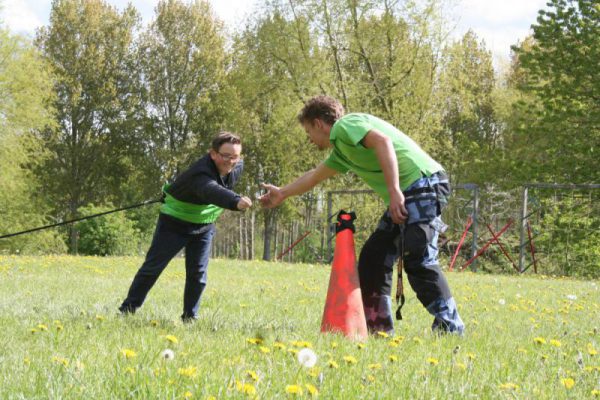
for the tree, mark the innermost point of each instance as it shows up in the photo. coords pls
(25, 91)
(558, 119)
(469, 128)
(183, 62)
(89, 45)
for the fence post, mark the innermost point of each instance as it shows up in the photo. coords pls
(523, 227)
(475, 225)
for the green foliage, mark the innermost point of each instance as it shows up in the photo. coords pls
(108, 235)
(25, 90)
(559, 116)
(470, 132)
(182, 55)
(90, 48)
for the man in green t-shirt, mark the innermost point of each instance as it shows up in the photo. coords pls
(415, 188)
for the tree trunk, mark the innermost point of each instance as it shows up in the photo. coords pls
(268, 234)
(251, 245)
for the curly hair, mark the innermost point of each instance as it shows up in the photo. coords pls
(322, 107)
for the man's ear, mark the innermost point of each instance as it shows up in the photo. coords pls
(213, 154)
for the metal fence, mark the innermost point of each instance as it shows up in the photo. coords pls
(544, 228)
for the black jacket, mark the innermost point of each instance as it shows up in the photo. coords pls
(202, 184)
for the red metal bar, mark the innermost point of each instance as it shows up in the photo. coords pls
(503, 249)
(460, 243)
(293, 245)
(489, 242)
(531, 247)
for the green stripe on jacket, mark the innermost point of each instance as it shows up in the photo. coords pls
(194, 213)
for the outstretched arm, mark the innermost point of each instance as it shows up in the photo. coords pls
(276, 195)
(384, 150)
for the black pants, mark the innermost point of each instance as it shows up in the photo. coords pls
(166, 243)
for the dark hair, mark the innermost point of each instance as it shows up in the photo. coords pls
(224, 137)
(325, 108)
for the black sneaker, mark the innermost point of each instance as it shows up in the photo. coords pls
(126, 310)
(188, 320)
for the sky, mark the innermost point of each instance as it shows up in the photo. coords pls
(499, 23)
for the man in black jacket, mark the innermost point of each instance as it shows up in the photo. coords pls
(191, 206)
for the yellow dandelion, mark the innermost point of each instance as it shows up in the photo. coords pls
(393, 343)
(312, 390)
(350, 359)
(382, 334)
(333, 364)
(539, 340)
(154, 322)
(360, 346)
(190, 372)
(33, 330)
(130, 370)
(264, 349)
(211, 398)
(128, 353)
(59, 327)
(567, 382)
(591, 350)
(59, 360)
(370, 378)
(100, 317)
(471, 356)
(279, 345)
(417, 340)
(375, 366)
(42, 327)
(460, 366)
(433, 361)
(522, 350)
(393, 358)
(253, 375)
(509, 386)
(293, 351)
(334, 345)
(172, 339)
(314, 372)
(26, 361)
(246, 388)
(555, 343)
(254, 340)
(596, 393)
(294, 389)
(187, 395)
(301, 343)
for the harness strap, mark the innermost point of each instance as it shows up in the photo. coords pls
(400, 284)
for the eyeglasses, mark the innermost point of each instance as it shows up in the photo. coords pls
(229, 157)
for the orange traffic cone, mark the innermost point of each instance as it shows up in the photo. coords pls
(343, 307)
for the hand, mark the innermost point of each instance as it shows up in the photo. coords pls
(244, 203)
(397, 208)
(272, 198)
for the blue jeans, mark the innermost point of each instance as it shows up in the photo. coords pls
(168, 240)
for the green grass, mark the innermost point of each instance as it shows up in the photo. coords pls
(62, 337)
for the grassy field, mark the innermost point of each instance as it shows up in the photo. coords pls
(527, 337)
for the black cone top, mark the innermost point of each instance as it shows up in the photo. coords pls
(345, 221)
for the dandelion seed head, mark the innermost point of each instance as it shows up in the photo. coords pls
(307, 358)
(167, 354)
